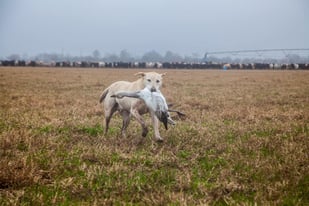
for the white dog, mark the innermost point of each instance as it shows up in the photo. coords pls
(131, 106)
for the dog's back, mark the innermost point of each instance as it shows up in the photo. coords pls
(117, 86)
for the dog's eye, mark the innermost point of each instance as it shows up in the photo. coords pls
(158, 81)
(149, 80)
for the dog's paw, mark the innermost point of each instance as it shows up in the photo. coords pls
(159, 139)
(145, 132)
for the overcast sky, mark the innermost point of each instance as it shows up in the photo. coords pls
(78, 27)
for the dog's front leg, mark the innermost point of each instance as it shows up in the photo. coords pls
(156, 124)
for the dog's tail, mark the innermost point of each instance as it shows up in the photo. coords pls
(103, 95)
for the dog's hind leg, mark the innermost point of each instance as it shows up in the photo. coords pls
(125, 121)
(109, 111)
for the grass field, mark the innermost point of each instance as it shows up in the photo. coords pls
(245, 140)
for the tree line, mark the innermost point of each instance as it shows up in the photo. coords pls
(154, 56)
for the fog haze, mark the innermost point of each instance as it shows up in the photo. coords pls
(79, 27)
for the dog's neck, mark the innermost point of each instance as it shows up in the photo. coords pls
(140, 83)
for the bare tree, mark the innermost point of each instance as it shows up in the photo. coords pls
(125, 56)
(172, 57)
(152, 56)
(96, 54)
(13, 57)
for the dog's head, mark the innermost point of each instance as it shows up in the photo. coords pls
(151, 80)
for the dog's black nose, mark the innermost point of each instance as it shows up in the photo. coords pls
(153, 89)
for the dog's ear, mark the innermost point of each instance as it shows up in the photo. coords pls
(141, 74)
(162, 75)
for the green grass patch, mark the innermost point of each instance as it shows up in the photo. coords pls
(68, 130)
(297, 194)
(42, 158)
(22, 146)
(46, 195)
(205, 171)
(184, 154)
(45, 129)
(92, 130)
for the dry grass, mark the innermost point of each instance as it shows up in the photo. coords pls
(245, 140)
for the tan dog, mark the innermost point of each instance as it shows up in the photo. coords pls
(131, 106)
